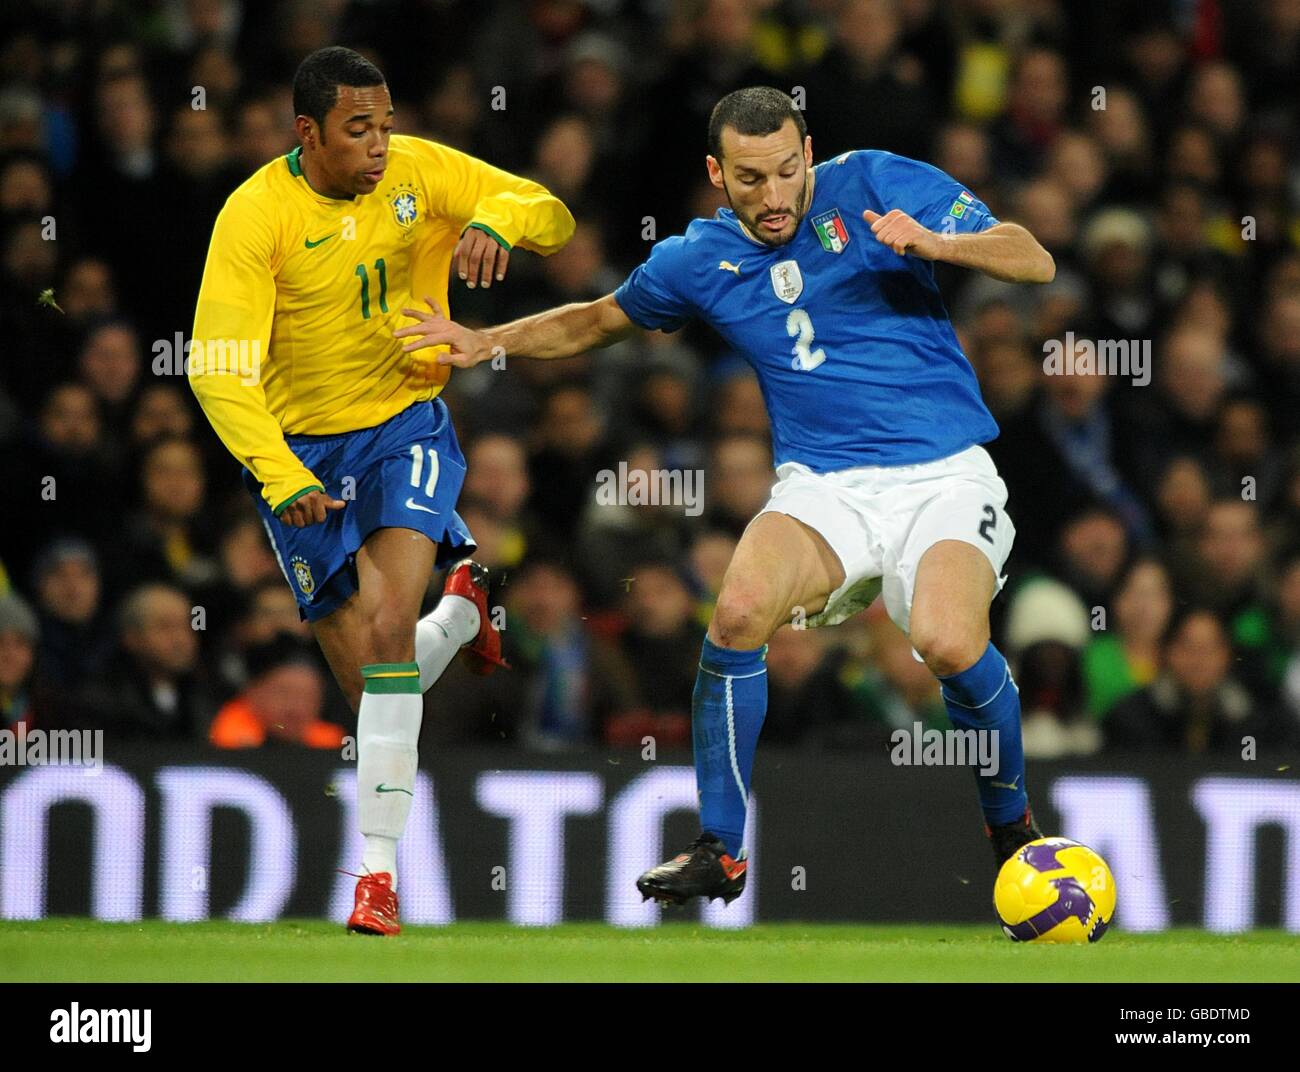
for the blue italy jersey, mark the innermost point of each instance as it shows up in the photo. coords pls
(856, 357)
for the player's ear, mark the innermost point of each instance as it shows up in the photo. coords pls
(715, 172)
(807, 150)
(306, 130)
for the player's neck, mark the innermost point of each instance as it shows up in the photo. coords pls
(314, 177)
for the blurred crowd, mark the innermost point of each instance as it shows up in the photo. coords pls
(1154, 600)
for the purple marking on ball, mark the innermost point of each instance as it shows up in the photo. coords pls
(1098, 930)
(1071, 900)
(1042, 857)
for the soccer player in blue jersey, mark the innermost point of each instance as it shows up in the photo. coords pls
(823, 278)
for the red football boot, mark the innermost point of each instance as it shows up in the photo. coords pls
(470, 580)
(376, 906)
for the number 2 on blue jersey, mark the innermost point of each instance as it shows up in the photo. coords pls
(800, 323)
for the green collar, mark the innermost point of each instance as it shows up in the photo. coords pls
(294, 160)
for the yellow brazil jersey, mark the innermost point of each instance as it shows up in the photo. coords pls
(293, 333)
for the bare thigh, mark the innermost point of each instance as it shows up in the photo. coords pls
(950, 606)
(780, 564)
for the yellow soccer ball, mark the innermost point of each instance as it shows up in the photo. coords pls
(1054, 890)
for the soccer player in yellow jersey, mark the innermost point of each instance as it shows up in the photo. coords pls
(347, 449)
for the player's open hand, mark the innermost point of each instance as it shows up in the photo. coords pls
(468, 347)
(479, 258)
(311, 509)
(897, 230)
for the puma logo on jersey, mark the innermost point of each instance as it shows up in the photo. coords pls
(727, 266)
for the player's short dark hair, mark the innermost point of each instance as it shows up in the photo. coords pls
(316, 83)
(754, 110)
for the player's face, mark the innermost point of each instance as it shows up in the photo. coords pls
(351, 153)
(765, 178)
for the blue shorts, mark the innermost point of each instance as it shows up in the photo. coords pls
(405, 473)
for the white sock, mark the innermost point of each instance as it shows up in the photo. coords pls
(388, 730)
(441, 633)
(380, 855)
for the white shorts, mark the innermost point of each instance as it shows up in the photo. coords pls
(880, 520)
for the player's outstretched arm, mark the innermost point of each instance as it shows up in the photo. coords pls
(565, 331)
(1005, 251)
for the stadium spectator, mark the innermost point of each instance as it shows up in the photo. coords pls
(161, 411)
(87, 292)
(261, 135)
(110, 366)
(1244, 457)
(1195, 705)
(282, 703)
(568, 680)
(1092, 553)
(1035, 113)
(710, 552)
(639, 512)
(660, 646)
(1124, 655)
(1287, 634)
(1072, 448)
(805, 698)
(1182, 499)
(891, 689)
(1192, 383)
(567, 451)
(737, 406)
(166, 539)
(61, 482)
(155, 689)
(864, 90)
(1047, 627)
(21, 701)
(497, 481)
(267, 612)
(738, 481)
(75, 643)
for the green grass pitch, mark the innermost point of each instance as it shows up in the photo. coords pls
(313, 951)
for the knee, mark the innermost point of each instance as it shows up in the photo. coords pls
(392, 637)
(951, 650)
(741, 619)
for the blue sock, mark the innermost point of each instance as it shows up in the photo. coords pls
(727, 713)
(983, 697)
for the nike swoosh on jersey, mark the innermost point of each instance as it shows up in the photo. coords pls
(312, 245)
(411, 504)
(381, 788)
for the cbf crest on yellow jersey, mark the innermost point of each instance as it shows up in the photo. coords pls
(312, 289)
